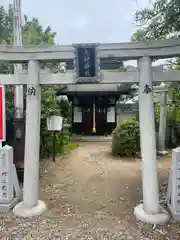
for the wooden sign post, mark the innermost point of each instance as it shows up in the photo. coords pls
(54, 124)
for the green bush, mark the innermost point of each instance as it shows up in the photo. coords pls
(126, 139)
(49, 107)
(46, 142)
(168, 113)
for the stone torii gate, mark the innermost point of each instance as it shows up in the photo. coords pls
(150, 211)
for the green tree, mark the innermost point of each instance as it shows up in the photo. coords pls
(32, 31)
(160, 20)
(33, 34)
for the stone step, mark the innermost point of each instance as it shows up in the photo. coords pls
(92, 138)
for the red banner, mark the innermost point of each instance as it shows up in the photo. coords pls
(2, 115)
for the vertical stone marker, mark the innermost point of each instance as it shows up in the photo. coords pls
(6, 186)
(8, 175)
(9, 184)
(173, 200)
(31, 206)
(150, 211)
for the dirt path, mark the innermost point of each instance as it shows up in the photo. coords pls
(89, 194)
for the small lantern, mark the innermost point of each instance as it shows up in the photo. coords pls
(54, 123)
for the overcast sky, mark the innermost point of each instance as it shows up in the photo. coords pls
(85, 21)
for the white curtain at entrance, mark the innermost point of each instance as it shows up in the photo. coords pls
(77, 115)
(111, 116)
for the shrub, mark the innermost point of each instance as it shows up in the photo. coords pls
(126, 139)
(168, 113)
(49, 107)
(46, 141)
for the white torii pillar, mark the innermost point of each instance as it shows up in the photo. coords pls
(162, 122)
(149, 211)
(31, 206)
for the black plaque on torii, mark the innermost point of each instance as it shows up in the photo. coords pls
(86, 62)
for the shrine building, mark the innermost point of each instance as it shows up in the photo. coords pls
(93, 108)
(93, 103)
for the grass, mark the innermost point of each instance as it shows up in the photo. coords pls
(70, 147)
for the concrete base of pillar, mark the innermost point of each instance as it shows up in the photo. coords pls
(160, 219)
(22, 210)
(162, 153)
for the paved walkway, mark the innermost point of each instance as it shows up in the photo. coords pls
(88, 194)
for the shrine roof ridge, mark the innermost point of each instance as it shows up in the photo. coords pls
(126, 51)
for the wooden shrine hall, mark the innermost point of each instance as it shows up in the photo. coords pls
(93, 103)
(93, 108)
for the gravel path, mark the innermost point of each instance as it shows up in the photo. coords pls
(89, 195)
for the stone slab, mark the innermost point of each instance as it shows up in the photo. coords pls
(175, 215)
(6, 207)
